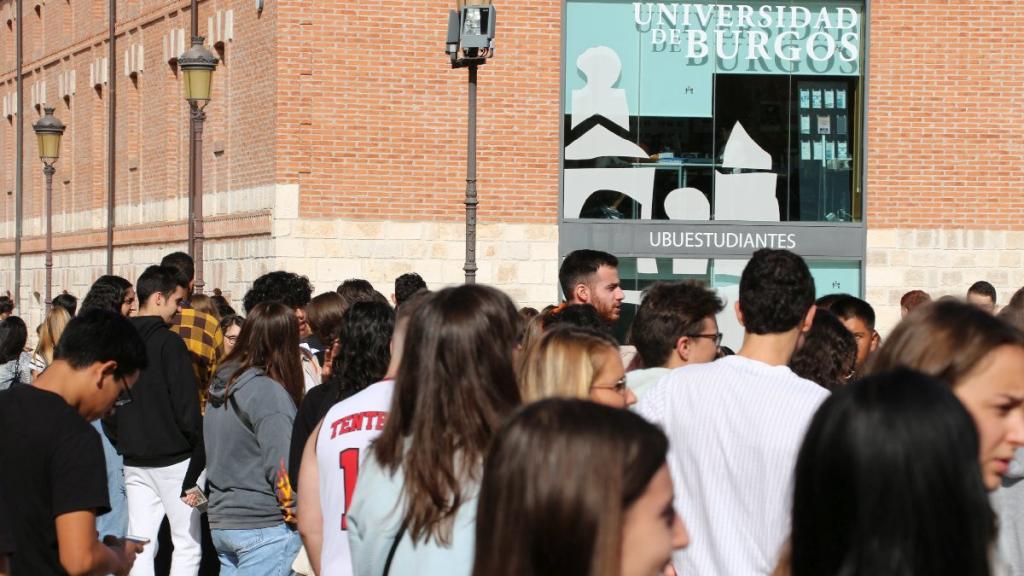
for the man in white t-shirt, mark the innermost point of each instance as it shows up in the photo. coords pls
(331, 460)
(735, 426)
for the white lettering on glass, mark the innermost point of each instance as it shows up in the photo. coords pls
(782, 33)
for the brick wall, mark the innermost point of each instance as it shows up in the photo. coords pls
(152, 117)
(372, 119)
(946, 115)
(352, 109)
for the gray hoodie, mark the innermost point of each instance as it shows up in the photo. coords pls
(247, 443)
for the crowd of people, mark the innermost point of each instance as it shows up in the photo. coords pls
(449, 432)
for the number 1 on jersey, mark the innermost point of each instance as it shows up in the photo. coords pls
(348, 461)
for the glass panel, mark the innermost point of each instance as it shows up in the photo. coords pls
(637, 274)
(709, 111)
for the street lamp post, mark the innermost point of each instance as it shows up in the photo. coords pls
(197, 66)
(49, 131)
(469, 44)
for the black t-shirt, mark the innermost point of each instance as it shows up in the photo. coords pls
(52, 463)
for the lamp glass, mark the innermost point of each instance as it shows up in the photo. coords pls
(472, 24)
(49, 146)
(197, 84)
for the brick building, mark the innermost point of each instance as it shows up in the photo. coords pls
(335, 142)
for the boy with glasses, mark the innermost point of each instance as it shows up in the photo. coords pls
(55, 481)
(674, 327)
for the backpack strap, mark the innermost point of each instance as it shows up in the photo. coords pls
(394, 547)
(242, 416)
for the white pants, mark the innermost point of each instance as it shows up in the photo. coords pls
(152, 494)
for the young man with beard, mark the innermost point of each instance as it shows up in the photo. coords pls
(592, 277)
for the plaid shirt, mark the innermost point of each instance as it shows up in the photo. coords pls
(202, 335)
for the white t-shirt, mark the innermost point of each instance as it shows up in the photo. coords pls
(342, 443)
(735, 427)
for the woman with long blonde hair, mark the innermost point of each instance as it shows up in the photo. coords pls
(49, 334)
(572, 362)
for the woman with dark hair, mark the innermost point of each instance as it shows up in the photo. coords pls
(575, 488)
(111, 293)
(247, 427)
(15, 363)
(416, 495)
(362, 360)
(231, 327)
(114, 294)
(331, 457)
(828, 353)
(981, 358)
(887, 483)
(324, 314)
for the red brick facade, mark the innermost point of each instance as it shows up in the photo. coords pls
(946, 115)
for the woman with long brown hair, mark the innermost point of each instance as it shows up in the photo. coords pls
(414, 507)
(248, 426)
(573, 488)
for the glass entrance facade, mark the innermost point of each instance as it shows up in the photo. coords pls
(695, 133)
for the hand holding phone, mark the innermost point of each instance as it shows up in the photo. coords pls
(195, 498)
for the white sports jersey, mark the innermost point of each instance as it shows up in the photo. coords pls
(347, 431)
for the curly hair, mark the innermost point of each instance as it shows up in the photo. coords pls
(106, 293)
(365, 352)
(406, 285)
(285, 287)
(828, 354)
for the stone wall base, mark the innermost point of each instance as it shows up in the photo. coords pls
(939, 262)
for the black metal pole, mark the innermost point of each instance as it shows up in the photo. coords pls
(49, 170)
(19, 180)
(111, 132)
(471, 197)
(198, 117)
(194, 30)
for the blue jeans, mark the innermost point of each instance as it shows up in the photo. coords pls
(256, 551)
(115, 522)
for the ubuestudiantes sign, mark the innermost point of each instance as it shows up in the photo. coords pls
(720, 240)
(743, 31)
(712, 239)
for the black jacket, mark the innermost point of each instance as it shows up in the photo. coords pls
(162, 426)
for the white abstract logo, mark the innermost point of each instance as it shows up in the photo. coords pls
(744, 185)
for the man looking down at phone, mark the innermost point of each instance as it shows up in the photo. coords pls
(54, 481)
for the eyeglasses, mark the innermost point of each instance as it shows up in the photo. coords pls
(125, 397)
(717, 337)
(619, 387)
